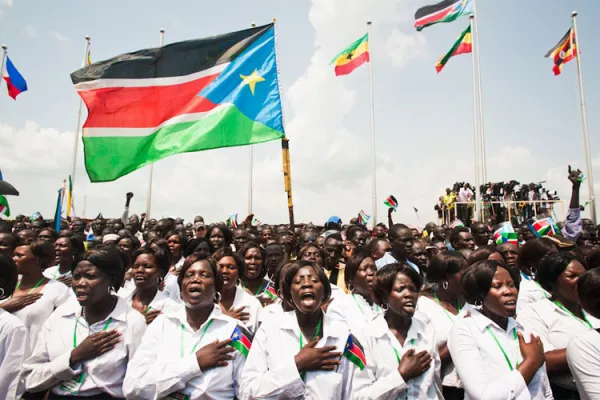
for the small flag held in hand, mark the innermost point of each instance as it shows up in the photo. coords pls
(506, 234)
(355, 352)
(391, 202)
(232, 221)
(363, 217)
(241, 340)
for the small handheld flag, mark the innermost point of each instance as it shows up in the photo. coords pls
(456, 223)
(352, 57)
(241, 340)
(232, 221)
(4, 208)
(363, 217)
(70, 197)
(506, 234)
(15, 82)
(391, 202)
(255, 221)
(544, 227)
(355, 352)
(563, 52)
(270, 291)
(35, 216)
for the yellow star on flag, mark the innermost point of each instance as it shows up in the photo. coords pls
(251, 80)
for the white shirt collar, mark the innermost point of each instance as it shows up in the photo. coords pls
(331, 327)
(380, 328)
(482, 322)
(181, 315)
(119, 313)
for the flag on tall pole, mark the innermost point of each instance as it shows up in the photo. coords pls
(352, 56)
(563, 52)
(462, 45)
(58, 212)
(4, 208)
(444, 11)
(15, 82)
(215, 92)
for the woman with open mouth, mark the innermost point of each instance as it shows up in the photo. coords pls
(493, 355)
(195, 353)
(278, 306)
(84, 347)
(402, 354)
(35, 297)
(254, 279)
(358, 308)
(559, 318)
(67, 249)
(299, 353)
(442, 308)
(150, 265)
(176, 241)
(235, 301)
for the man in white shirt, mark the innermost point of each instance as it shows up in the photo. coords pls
(465, 195)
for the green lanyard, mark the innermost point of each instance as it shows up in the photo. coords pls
(398, 358)
(260, 290)
(33, 288)
(316, 335)
(446, 311)
(199, 340)
(75, 330)
(502, 348)
(584, 321)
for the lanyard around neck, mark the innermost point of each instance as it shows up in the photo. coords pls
(398, 357)
(260, 289)
(108, 321)
(502, 348)
(450, 316)
(199, 340)
(316, 335)
(33, 288)
(565, 309)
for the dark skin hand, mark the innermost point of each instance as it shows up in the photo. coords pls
(151, 316)
(237, 313)
(533, 356)
(95, 345)
(67, 280)
(574, 176)
(414, 364)
(216, 354)
(17, 303)
(312, 358)
(556, 361)
(390, 221)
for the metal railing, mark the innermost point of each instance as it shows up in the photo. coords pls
(511, 207)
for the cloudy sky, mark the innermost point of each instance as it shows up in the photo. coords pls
(424, 123)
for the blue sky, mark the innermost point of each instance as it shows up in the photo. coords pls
(423, 120)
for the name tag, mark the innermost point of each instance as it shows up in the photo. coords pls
(178, 396)
(73, 385)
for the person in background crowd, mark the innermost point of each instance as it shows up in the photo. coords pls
(176, 241)
(8, 244)
(358, 236)
(528, 262)
(84, 348)
(509, 252)
(26, 236)
(379, 231)
(129, 244)
(164, 226)
(412, 368)
(461, 238)
(485, 253)
(201, 363)
(266, 235)
(275, 257)
(13, 336)
(440, 233)
(240, 238)
(334, 269)
(219, 236)
(419, 255)
(66, 249)
(583, 350)
(492, 356)
(235, 301)
(254, 279)
(299, 353)
(378, 247)
(558, 318)
(482, 234)
(401, 239)
(48, 234)
(442, 308)
(150, 265)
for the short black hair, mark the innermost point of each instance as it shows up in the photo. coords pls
(477, 279)
(588, 284)
(42, 250)
(352, 265)
(196, 257)
(8, 276)
(227, 236)
(551, 267)
(533, 251)
(296, 266)
(480, 254)
(193, 245)
(228, 252)
(161, 243)
(108, 260)
(394, 230)
(163, 262)
(444, 265)
(455, 233)
(384, 280)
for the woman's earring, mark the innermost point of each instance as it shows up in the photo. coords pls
(351, 288)
(239, 282)
(445, 285)
(218, 298)
(279, 294)
(385, 307)
(478, 305)
(160, 280)
(1, 293)
(533, 272)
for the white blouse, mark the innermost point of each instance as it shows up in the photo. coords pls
(271, 372)
(172, 287)
(13, 345)
(555, 327)
(583, 355)
(381, 379)
(355, 311)
(273, 310)
(530, 292)
(252, 306)
(48, 367)
(481, 365)
(166, 363)
(53, 272)
(442, 321)
(54, 294)
(160, 302)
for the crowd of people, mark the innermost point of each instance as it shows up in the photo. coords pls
(141, 308)
(502, 201)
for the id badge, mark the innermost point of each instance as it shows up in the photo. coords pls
(73, 385)
(178, 396)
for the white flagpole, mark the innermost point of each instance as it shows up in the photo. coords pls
(251, 170)
(475, 133)
(481, 125)
(151, 169)
(374, 177)
(586, 138)
(76, 144)
(4, 48)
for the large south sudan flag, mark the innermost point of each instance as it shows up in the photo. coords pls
(190, 96)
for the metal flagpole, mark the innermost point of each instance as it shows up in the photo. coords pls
(251, 168)
(151, 169)
(586, 138)
(481, 125)
(76, 144)
(4, 48)
(374, 189)
(475, 134)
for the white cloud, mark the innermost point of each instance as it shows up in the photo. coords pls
(403, 48)
(30, 31)
(7, 3)
(60, 37)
